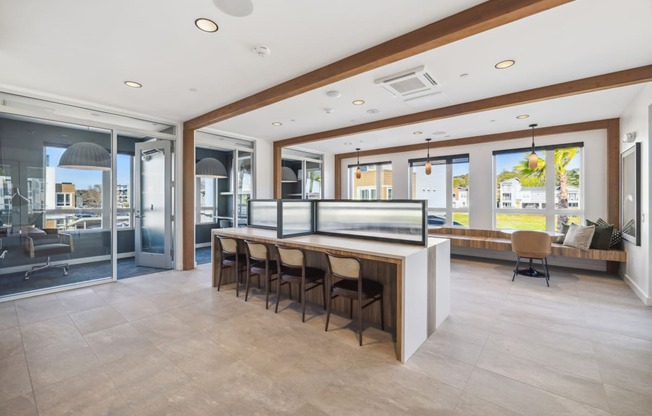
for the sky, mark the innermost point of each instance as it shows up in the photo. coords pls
(83, 179)
(509, 160)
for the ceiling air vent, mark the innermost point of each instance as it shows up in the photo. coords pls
(408, 83)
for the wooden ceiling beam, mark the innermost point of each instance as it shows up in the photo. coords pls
(483, 17)
(565, 89)
(497, 137)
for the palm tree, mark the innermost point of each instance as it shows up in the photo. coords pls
(563, 157)
(313, 176)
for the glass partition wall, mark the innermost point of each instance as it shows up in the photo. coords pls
(301, 175)
(223, 186)
(66, 196)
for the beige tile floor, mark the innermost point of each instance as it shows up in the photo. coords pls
(169, 344)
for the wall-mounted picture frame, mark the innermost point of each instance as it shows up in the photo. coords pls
(630, 194)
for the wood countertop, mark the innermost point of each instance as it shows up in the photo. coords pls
(369, 249)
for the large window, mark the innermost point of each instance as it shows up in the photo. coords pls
(73, 197)
(446, 189)
(542, 198)
(375, 181)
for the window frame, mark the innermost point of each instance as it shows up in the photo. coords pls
(448, 211)
(550, 211)
(379, 186)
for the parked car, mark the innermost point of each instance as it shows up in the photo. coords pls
(438, 220)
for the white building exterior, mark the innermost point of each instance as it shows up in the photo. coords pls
(513, 195)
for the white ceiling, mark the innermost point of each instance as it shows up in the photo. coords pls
(85, 50)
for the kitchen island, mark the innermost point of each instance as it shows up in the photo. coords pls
(417, 278)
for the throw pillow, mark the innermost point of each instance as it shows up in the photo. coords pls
(579, 236)
(616, 237)
(602, 236)
(564, 231)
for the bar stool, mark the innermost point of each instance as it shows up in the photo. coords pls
(229, 257)
(258, 263)
(353, 286)
(292, 270)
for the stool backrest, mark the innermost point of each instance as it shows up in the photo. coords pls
(344, 267)
(256, 251)
(227, 245)
(291, 257)
(536, 244)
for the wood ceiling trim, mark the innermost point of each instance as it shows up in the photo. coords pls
(483, 17)
(497, 137)
(565, 89)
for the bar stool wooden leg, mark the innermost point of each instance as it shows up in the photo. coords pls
(247, 285)
(278, 295)
(382, 312)
(328, 309)
(302, 294)
(360, 318)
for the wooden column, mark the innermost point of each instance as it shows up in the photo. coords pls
(613, 181)
(188, 205)
(278, 186)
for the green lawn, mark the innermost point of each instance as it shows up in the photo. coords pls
(462, 218)
(514, 221)
(521, 221)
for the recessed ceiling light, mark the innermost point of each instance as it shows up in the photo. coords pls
(328, 110)
(492, 121)
(348, 144)
(373, 111)
(522, 116)
(334, 94)
(358, 102)
(133, 84)
(464, 75)
(206, 25)
(505, 64)
(277, 123)
(417, 132)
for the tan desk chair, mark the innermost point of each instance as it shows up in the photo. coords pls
(353, 286)
(532, 245)
(292, 270)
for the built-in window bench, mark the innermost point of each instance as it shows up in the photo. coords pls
(499, 240)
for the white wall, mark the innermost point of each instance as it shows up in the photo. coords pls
(638, 118)
(264, 169)
(328, 176)
(481, 193)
